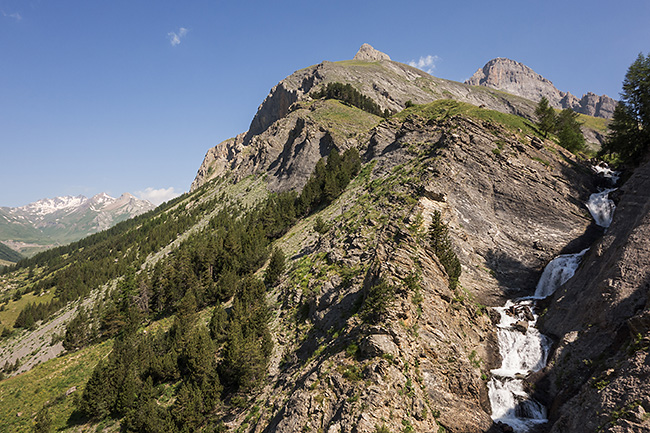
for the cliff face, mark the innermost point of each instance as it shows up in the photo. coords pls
(518, 79)
(601, 322)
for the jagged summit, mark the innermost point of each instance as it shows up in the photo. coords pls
(516, 78)
(369, 54)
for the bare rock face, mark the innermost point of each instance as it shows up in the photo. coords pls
(601, 322)
(368, 54)
(518, 79)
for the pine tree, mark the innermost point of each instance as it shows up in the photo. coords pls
(546, 116)
(77, 332)
(218, 323)
(568, 131)
(43, 422)
(629, 130)
(275, 267)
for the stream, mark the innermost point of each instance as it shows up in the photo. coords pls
(523, 348)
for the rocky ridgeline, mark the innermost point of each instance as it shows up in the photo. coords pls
(423, 363)
(390, 84)
(516, 78)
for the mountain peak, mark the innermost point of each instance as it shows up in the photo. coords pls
(369, 54)
(514, 77)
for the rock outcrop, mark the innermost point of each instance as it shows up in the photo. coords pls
(516, 78)
(368, 54)
(600, 369)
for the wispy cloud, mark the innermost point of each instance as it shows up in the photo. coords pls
(427, 64)
(157, 196)
(16, 16)
(175, 37)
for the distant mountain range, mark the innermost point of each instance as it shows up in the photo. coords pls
(60, 220)
(518, 79)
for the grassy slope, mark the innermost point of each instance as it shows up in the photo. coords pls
(27, 393)
(9, 255)
(448, 108)
(341, 119)
(13, 307)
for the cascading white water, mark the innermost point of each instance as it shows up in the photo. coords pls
(601, 207)
(607, 173)
(557, 272)
(524, 349)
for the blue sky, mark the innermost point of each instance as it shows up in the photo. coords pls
(127, 96)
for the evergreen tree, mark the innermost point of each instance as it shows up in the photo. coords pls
(77, 332)
(568, 131)
(441, 245)
(546, 116)
(379, 298)
(218, 323)
(275, 267)
(629, 130)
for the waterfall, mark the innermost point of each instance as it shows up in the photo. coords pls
(601, 207)
(524, 349)
(557, 272)
(607, 173)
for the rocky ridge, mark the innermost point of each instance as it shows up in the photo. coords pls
(444, 341)
(516, 78)
(390, 84)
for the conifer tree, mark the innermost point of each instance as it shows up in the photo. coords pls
(275, 267)
(43, 422)
(546, 116)
(568, 131)
(629, 130)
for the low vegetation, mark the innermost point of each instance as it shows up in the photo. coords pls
(447, 108)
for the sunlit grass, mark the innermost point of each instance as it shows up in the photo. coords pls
(24, 395)
(11, 310)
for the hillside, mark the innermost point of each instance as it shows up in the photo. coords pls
(330, 270)
(8, 255)
(57, 221)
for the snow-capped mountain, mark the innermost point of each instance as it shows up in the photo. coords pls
(60, 220)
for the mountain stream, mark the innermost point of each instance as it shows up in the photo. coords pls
(523, 348)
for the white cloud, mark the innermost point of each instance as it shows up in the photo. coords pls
(175, 37)
(427, 64)
(16, 16)
(157, 196)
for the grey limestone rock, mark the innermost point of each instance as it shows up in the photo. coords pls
(516, 78)
(369, 54)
